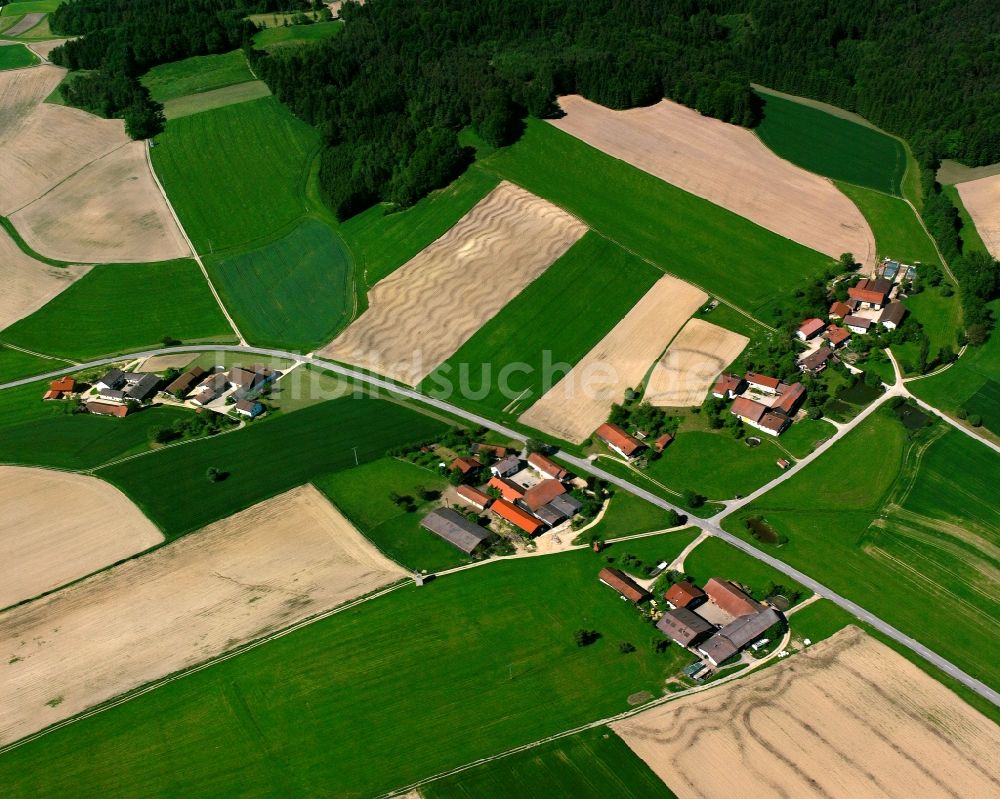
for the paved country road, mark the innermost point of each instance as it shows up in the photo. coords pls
(709, 525)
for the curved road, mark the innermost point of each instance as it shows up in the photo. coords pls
(709, 525)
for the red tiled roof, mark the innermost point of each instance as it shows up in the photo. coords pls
(763, 380)
(508, 489)
(623, 584)
(63, 384)
(840, 309)
(726, 383)
(474, 495)
(747, 408)
(547, 466)
(836, 335)
(493, 449)
(466, 465)
(811, 327)
(662, 442)
(107, 409)
(789, 398)
(515, 515)
(52, 394)
(682, 594)
(866, 295)
(614, 435)
(543, 493)
(772, 421)
(730, 598)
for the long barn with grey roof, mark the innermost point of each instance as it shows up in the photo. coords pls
(454, 528)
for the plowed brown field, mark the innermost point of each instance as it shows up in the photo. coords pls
(579, 402)
(846, 718)
(21, 90)
(425, 310)
(264, 568)
(691, 364)
(981, 199)
(726, 165)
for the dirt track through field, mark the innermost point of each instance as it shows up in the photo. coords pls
(57, 527)
(846, 718)
(28, 284)
(691, 364)
(726, 165)
(264, 568)
(578, 403)
(981, 199)
(109, 211)
(44, 49)
(425, 310)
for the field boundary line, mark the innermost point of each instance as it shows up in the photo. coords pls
(191, 247)
(132, 457)
(10, 346)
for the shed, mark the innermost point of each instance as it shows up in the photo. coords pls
(546, 467)
(684, 594)
(454, 528)
(765, 383)
(810, 328)
(663, 442)
(684, 626)
(624, 585)
(107, 409)
(474, 496)
(517, 516)
(892, 315)
(620, 441)
(728, 386)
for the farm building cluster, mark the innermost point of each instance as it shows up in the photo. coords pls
(530, 495)
(871, 302)
(716, 622)
(115, 393)
(239, 386)
(628, 446)
(763, 402)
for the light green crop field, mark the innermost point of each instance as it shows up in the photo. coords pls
(970, 381)
(898, 233)
(382, 242)
(819, 620)
(15, 364)
(831, 146)
(21, 7)
(626, 514)
(236, 175)
(363, 495)
(264, 459)
(410, 684)
(296, 35)
(971, 240)
(595, 763)
(557, 319)
(725, 254)
(196, 74)
(121, 308)
(215, 98)
(295, 292)
(804, 436)
(906, 528)
(15, 56)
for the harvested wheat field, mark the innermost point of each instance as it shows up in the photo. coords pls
(262, 569)
(44, 49)
(111, 210)
(578, 403)
(53, 143)
(726, 165)
(846, 718)
(691, 364)
(425, 310)
(29, 284)
(59, 526)
(981, 199)
(21, 90)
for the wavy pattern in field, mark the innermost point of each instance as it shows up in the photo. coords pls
(429, 307)
(846, 718)
(20, 91)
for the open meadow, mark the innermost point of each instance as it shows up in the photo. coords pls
(903, 525)
(195, 75)
(425, 310)
(689, 368)
(296, 35)
(689, 237)
(403, 686)
(727, 165)
(593, 764)
(16, 363)
(97, 314)
(846, 718)
(554, 321)
(292, 293)
(981, 199)
(16, 56)
(832, 146)
(578, 403)
(215, 98)
(273, 564)
(59, 526)
(268, 457)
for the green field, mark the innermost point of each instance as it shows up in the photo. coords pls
(413, 683)
(626, 514)
(715, 558)
(294, 293)
(971, 240)
(831, 146)
(898, 232)
(119, 308)
(236, 175)
(215, 98)
(15, 56)
(196, 74)
(363, 496)
(722, 252)
(910, 533)
(22, 7)
(265, 459)
(15, 364)
(819, 620)
(595, 763)
(978, 370)
(557, 320)
(293, 35)
(383, 242)
(804, 436)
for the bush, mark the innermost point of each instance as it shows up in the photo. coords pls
(962, 413)
(585, 637)
(625, 647)
(976, 420)
(693, 499)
